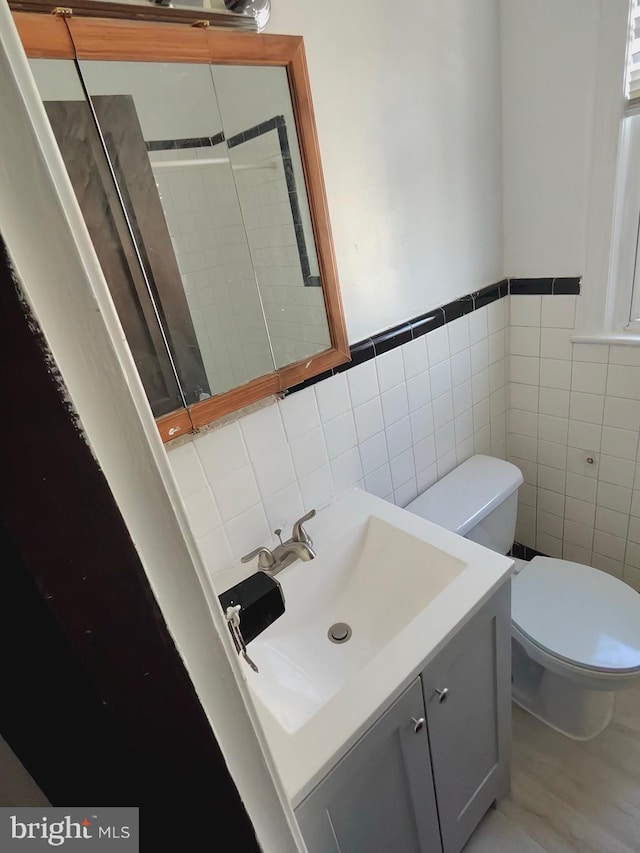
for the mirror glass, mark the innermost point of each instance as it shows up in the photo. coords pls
(89, 171)
(207, 175)
(257, 116)
(163, 131)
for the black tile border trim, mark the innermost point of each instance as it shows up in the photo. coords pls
(191, 142)
(279, 124)
(489, 294)
(360, 352)
(255, 131)
(424, 323)
(568, 285)
(392, 338)
(522, 552)
(530, 286)
(458, 308)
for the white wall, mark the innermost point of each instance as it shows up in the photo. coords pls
(550, 65)
(408, 107)
(407, 103)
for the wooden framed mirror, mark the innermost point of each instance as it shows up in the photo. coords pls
(194, 156)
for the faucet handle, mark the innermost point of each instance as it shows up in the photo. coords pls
(299, 534)
(266, 560)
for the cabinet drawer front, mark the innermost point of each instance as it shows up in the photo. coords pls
(379, 798)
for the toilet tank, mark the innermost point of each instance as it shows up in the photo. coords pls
(478, 500)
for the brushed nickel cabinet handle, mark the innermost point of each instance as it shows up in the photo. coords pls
(443, 694)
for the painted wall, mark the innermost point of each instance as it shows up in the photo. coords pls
(407, 102)
(549, 66)
(562, 84)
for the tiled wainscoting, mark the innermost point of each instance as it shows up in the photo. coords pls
(571, 403)
(504, 379)
(393, 424)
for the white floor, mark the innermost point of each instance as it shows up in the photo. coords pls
(566, 796)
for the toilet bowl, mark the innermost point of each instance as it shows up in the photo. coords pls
(575, 629)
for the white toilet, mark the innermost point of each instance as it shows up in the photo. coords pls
(575, 630)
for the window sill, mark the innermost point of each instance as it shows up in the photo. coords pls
(617, 338)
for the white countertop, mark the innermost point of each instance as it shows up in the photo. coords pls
(305, 756)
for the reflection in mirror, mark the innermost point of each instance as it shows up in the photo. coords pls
(259, 125)
(71, 119)
(196, 163)
(179, 156)
(205, 187)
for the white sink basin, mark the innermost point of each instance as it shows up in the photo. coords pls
(404, 586)
(376, 578)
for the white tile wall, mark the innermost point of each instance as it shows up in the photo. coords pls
(585, 404)
(399, 422)
(377, 425)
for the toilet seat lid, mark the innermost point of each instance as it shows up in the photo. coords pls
(578, 614)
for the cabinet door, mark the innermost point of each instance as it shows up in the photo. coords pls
(470, 724)
(379, 798)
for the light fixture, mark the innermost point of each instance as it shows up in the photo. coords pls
(260, 9)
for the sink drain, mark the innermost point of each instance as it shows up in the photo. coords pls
(339, 633)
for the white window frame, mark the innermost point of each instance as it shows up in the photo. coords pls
(626, 266)
(605, 311)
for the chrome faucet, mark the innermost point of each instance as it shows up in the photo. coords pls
(298, 547)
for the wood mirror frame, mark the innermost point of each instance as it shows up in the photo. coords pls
(67, 36)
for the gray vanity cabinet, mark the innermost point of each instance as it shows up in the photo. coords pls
(422, 777)
(467, 693)
(379, 798)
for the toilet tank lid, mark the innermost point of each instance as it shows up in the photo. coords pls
(468, 494)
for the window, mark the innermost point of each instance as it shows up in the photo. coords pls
(631, 136)
(610, 309)
(625, 279)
